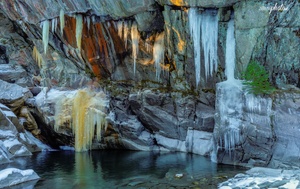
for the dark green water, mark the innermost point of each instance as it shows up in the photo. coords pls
(124, 169)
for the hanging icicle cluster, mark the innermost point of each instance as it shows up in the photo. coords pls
(123, 28)
(158, 53)
(204, 30)
(84, 113)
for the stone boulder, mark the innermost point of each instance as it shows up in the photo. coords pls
(12, 176)
(13, 95)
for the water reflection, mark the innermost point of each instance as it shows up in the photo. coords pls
(109, 169)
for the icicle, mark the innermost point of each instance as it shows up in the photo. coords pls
(158, 53)
(195, 23)
(120, 28)
(88, 22)
(135, 44)
(126, 31)
(62, 21)
(230, 51)
(53, 24)
(37, 56)
(93, 19)
(79, 26)
(46, 24)
(209, 38)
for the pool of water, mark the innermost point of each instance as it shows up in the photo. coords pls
(124, 169)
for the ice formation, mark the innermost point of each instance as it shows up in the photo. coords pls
(53, 25)
(158, 53)
(230, 51)
(195, 23)
(79, 26)
(120, 28)
(45, 24)
(204, 31)
(37, 56)
(209, 38)
(62, 21)
(84, 113)
(135, 36)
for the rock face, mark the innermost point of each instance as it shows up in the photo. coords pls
(155, 101)
(14, 140)
(255, 130)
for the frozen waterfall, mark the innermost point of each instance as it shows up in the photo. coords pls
(204, 31)
(230, 51)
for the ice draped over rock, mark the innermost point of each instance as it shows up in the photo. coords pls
(83, 111)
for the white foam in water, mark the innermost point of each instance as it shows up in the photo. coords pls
(158, 53)
(204, 30)
(230, 51)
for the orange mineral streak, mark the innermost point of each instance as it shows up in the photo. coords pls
(178, 2)
(70, 31)
(100, 45)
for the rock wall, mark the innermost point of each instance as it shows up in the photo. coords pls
(147, 113)
(257, 130)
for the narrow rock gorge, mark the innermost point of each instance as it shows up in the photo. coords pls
(161, 75)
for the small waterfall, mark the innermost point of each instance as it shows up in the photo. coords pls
(135, 36)
(230, 51)
(158, 53)
(204, 31)
(229, 104)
